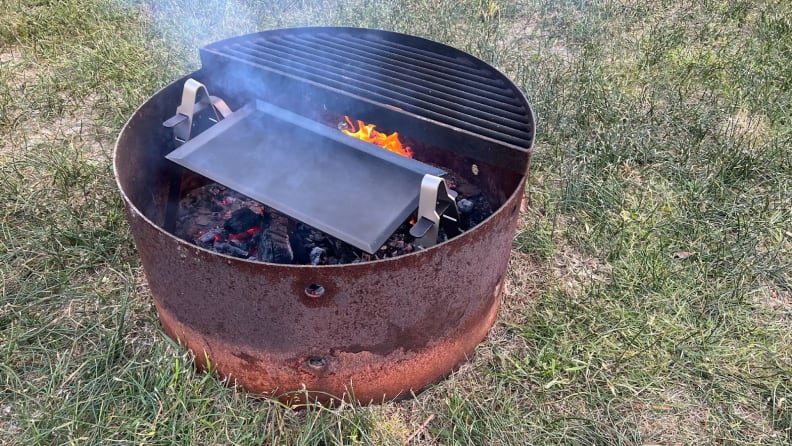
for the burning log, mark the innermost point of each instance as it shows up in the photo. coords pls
(242, 220)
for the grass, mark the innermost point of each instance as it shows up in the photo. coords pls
(649, 298)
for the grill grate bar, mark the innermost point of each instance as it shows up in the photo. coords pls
(387, 80)
(411, 53)
(422, 77)
(488, 127)
(455, 73)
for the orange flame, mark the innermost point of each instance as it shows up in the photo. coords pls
(367, 133)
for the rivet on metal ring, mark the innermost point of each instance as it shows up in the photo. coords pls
(316, 362)
(314, 290)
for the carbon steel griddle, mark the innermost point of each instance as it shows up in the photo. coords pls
(348, 188)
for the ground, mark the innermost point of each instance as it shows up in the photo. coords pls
(648, 299)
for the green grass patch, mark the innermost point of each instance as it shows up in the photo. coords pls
(649, 298)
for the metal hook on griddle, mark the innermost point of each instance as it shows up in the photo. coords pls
(191, 105)
(436, 206)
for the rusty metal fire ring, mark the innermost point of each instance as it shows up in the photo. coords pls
(374, 330)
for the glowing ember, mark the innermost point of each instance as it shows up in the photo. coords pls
(367, 133)
(244, 235)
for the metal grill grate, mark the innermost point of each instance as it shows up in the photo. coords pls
(416, 77)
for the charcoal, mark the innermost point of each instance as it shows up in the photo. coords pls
(344, 252)
(274, 245)
(466, 189)
(241, 244)
(265, 251)
(316, 255)
(215, 217)
(481, 210)
(398, 244)
(208, 237)
(272, 251)
(284, 254)
(316, 236)
(241, 220)
(465, 206)
(266, 221)
(227, 248)
(300, 247)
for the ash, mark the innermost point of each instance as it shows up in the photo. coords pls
(224, 221)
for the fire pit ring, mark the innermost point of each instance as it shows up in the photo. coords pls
(373, 330)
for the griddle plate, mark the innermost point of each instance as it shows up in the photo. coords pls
(350, 189)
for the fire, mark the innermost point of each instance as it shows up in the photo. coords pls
(367, 133)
